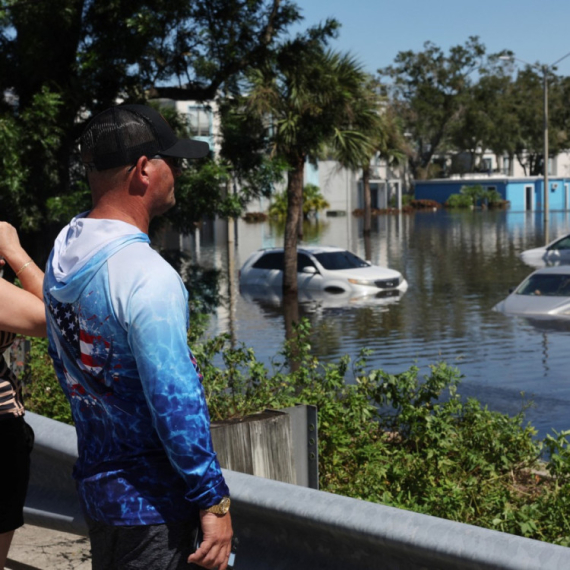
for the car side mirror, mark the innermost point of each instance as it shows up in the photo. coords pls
(309, 269)
(511, 289)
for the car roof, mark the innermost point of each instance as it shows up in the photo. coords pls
(307, 249)
(556, 269)
(561, 237)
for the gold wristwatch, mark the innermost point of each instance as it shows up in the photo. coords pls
(221, 508)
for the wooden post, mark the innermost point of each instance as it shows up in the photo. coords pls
(259, 444)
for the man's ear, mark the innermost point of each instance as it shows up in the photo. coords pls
(140, 176)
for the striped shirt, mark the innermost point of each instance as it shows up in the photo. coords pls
(11, 401)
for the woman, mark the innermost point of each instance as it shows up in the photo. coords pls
(21, 312)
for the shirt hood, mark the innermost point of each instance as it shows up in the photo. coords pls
(80, 250)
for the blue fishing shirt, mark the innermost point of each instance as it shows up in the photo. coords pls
(117, 316)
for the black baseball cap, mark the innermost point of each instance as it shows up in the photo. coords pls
(121, 135)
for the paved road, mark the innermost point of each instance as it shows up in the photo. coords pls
(35, 548)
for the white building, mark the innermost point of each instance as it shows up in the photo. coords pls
(342, 188)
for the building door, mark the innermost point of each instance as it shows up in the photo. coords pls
(529, 198)
(374, 195)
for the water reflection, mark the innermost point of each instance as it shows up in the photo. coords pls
(311, 302)
(458, 266)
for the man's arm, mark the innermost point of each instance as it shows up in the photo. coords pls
(216, 546)
(157, 325)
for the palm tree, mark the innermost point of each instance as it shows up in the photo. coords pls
(374, 120)
(308, 96)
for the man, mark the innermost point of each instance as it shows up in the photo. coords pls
(147, 474)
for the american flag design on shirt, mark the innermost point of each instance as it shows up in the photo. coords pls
(92, 353)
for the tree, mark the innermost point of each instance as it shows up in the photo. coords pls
(307, 97)
(245, 150)
(429, 91)
(88, 54)
(488, 120)
(528, 102)
(366, 117)
(34, 127)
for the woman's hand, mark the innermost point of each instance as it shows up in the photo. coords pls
(30, 275)
(9, 241)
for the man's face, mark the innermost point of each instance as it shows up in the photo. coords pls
(168, 170)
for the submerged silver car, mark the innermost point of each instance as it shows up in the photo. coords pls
(323, 268)
(544, 293)
(557, 252)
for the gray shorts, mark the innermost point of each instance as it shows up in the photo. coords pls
(145, 547)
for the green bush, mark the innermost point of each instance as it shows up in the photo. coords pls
(406, 200)
(403, 440)
(313, 203)
(459, 201)
(471, 196)
(43, 394)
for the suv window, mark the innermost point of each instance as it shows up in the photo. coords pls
(550, 285)
(274, 260)
(271, 260)
(564, 243)
(340, 260)
(303, 260)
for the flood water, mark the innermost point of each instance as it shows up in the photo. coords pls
(458, 266)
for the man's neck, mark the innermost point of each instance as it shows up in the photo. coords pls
(110, 212)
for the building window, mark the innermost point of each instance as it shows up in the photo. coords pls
(486, 164)
(199, 121)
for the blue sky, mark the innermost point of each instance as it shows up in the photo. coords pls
(375, 30)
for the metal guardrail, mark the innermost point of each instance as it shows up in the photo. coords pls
(51, 501)
(282, 526)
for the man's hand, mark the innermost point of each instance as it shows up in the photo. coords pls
(216, 546)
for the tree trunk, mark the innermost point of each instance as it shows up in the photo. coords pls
(522, 163)
(300, 222)
(291, 317)
(294, 199)
(499, 161)
(511, 164)
(367, 200)
(367, 248)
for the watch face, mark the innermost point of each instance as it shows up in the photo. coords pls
(225, 505)
(221, 508)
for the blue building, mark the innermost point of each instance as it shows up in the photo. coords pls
(523, 193)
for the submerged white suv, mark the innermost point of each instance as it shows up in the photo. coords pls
(322, 268)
